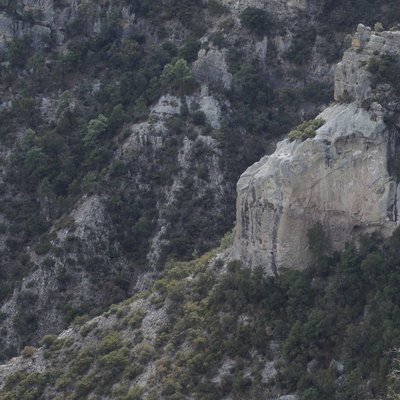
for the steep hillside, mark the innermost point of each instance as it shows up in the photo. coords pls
(124, 128)
(213, 328)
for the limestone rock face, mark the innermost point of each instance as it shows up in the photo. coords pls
(47, 21)
(352, 80)
(51, 19)
(339, 178)
(211, 67)
(272, 5)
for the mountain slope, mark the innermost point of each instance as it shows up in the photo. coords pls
(208, 330)
(212, 328)
(337, 171)
(124, 129)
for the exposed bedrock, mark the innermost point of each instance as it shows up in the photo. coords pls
(340, 178)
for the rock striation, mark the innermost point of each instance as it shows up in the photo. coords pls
(339, 178)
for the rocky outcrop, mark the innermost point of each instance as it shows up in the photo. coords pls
(340, 178)
(352, 79)
(57, 276)
(93, 260)
(182, 159)
(41, 20)
(211, 68)
(36, 19)
(274, 5)
(150, 139)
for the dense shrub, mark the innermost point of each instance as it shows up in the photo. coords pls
(215, 8)
(177, 76)
(317, 315)
(342, 15)
(385, 69)
(114, 362)
(306, 130)
(111, 342)
(19, 51)
(302, 45)
(119, 79)
(256, 20)
(190, 49)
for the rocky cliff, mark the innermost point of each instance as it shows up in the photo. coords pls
(120, 150)
(87, 222)
(124, 128)
(341, 178)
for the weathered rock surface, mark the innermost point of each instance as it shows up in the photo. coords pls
(177, 163)
(340, 178)
(352, 80)
(274, 5)
(153, 319)
(211, 68)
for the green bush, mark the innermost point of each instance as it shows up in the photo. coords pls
(177, 76)
(43, 247)
(145, 352)
(27, 386)
(317, 240)
(135, 319)
(218, 39)
(114, 362)
(310, 394)
(81, 362)
(199, 118)
(95, 130)
(26, 110)
(241, 383)
(215, 8)
(134, 393)
(111, 342)
(48, 340)
(256, 20)
(306, 130)
(385, 69)
(301, 48)
(19, 51)
(133, 370)
(190, 49)
(28, 351)
(84, 386)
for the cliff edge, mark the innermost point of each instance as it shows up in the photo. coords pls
(339, 178)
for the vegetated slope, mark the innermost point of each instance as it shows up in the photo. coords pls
(121, 144)
(207, 330)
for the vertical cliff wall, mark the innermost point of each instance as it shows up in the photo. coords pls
(338, 178)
